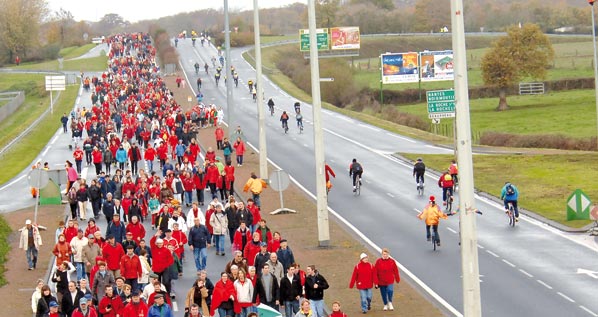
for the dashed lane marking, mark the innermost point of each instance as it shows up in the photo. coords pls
(566, 297)
(544, 284)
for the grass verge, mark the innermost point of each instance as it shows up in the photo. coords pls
(75, 51)
(5, 231)
(92, 64)
(20, 155)
(544, 181)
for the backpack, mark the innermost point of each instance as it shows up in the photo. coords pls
(510, 190)
(357, 167)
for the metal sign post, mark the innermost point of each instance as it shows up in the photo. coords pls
(54, 83)
(279, 181)
(38, 178)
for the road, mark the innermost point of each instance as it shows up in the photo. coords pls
(529, 270)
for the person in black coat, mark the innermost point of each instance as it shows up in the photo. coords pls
(290, 291)
(95, 196)
(134, 210)
(43, 304)
(108, 207)
(70, 299)
(266, 287)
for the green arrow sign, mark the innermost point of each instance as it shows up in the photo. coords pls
(321, 39)
(441, 103)
(578, 206)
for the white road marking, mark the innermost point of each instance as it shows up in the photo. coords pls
(45, 151)
(451, 230)
(369, 127)
(54, 139)
(417, 210)
(175, 306)
(13, 182)
(527, 274)
(439, 148)
(545, 285)
(493, 254)
(345, 118)
(509, 263)
(566, 297)
(588, 311)
(400, 137)
(480, 246)
(390, 195)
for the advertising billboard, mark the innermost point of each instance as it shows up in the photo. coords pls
(436, 65)
(344, 38)
(400, 68)
(321, 39)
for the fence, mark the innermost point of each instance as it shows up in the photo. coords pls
(446, 129)
(531, 88)
(16, 98)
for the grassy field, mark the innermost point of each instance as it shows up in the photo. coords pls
(5, 231)
(544, 181)
(21, 154)
(76, 51)
(93, 64)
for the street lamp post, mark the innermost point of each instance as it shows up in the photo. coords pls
(591, 2)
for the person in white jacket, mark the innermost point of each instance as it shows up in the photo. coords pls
(30, 241)
(195, 212)
(77, 245)
(177, 218)
(37, 294)
(244, 290)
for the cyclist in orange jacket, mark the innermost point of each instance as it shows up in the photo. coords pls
(431, 215)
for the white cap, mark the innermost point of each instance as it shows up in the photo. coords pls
(363, 255)
(27, 222)
(159, 241)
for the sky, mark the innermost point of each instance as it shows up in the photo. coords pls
(135, 10)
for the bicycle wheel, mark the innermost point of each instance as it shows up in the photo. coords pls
(434, 240)
(449, 204)
(511, 216)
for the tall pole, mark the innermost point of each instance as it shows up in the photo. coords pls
(591, 2)
(260, 93)
(469, 241)
(322, 205)
(229, 82)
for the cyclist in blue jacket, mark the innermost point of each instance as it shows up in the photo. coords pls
(510, 194)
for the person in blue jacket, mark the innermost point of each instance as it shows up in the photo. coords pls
(121, 157)
(510, 194)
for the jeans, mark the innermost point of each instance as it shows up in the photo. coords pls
(514, 202)
(240, 159)
(256, 200)
(150, 165)
(80, 266)
(244, 312)
(199, 194)
(188, 197)
(317, 306)
(446, 190)
(78, 163)
(435, 228)
(225, 312)
(386, 292)
(291, 307)
(365, 295)
(31, 254)
(219, 241)
(200, 255)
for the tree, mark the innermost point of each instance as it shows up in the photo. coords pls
(431, 15)
(19, 25)
(380, 4)
(326, 13)
(523, 53)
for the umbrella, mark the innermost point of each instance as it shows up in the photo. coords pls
(267, 311)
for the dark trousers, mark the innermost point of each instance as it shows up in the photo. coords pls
(200, 198)
(134, 167)
(98, 168)
(435, 228)
(79, 163)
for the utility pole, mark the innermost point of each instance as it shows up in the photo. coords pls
(260, 93)
(322, 205)
(229, 81)
(591, 2)
(469, 241)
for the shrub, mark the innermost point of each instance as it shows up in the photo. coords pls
(551, 141)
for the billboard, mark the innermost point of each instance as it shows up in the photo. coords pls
(321, 39)
(344, 38)
(400, 68)
(436, 65)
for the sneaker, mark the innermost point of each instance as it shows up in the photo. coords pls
(30, 269)
(172, 295)
(359, 183)
(385, 307)
(516, 219)
(364, 312)
(438, 244)
(222, 254)
(390, 304)
(369, 306)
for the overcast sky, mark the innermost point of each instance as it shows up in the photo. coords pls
(135, 10)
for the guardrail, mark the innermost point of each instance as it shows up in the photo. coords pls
(16, 99)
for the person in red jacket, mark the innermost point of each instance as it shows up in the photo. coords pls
(85, 309)
(239, 151)
(210, 155)
(224, 297)
(188, 186)
(112, 253)
(229, 169)
(110, 305)
(194, 148)
(162, 152)
(241, 238)
(149, 156)
(136, 307)
(363, 278)
(161, 256)
(386, 273)
(97, 155)
(446, 183)
(252, 248)
(219, 133)
(130, 267)
(78, 155)
(212, 175)
(200, 180)
(336, 310)
(136, 229)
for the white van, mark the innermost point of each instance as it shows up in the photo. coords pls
(98, 40)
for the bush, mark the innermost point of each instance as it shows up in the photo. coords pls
(550, 141)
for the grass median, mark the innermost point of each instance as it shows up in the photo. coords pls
(544, 181)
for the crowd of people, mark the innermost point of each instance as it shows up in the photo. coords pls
(114, 271)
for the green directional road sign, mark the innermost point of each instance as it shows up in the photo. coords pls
(578, 206)
(321, 39)
(441, 103)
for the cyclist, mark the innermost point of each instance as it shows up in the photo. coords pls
(297, 107)
(446, 183)
(236, 79)
(355, 170)
(271, 106)
(217, 78)
(196, 68)
(232, 70)
(419, 169)
(206, 67)
(510, 194)
(250, 84)
(299, 118)
(284, 118)
(454, 171)
(193, 41)
(431, 215)
(218, 69)
(254, 93)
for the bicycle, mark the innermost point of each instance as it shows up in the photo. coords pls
(449, 202)
(285, 126)
(420, 188)
(511, 214)
(300, 123)
(434, 242)
(271, 110)
(357, 190)
(455, 183)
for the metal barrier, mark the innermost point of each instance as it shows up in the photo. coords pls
(16, 100)
(531, 88)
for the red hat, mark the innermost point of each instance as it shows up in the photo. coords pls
(432, 198)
